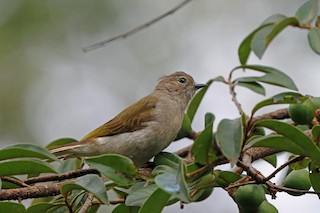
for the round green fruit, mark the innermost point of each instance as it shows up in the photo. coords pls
(302, 113)
(249, 196)
(297, 179)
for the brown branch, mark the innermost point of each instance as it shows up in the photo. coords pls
(135, 30)
(63, 176)
(14, 181)
(32, 191)
(86, 204)
(278, 114)
(293, 160)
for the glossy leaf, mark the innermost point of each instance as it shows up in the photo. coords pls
(245, 46)
(186, 128)
(175, 184)
(19, 167)
(301, 164)
(279, 142)
(202, 147)
(60, 142)
(195, 102)
(40, 207)
(314, 39)
(155, 202)
(26, 150)
(229, 137)
(90, 183)
(117, 168)
(12, 207)
(117, 162)
(138, 197)
(294, 137)
(225, 178)
(160, 169)
(316, 133)
(122, 208)
(263, 37)
(253, 86)
(281, 98)
(165, 158)
(272, 159)
(272, 76)
(274, 19)
(307, 12)
(314, 179)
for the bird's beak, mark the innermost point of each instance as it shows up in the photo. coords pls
(198, 86)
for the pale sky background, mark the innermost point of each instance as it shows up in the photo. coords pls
(50, 89)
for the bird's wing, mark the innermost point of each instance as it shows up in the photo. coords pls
(131, 119)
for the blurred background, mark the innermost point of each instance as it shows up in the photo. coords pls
(50, 88)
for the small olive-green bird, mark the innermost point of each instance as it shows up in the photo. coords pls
(143, 129)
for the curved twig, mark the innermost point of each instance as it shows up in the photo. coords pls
(135, 30)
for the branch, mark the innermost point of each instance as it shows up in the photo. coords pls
(63, 176)
(295, 159)
(87, 204)
(32, 191)
(135, 30)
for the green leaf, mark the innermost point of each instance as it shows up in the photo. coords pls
(12, 207)
(202, 147)
(165, 158)
(118, 162)
(186, 128)
(19, 167)
(272, 76)
(90, 183)
(245, 46)
(263, 37)
(26, 150)
(314, 179)
(307, 12)
(274, 19)
(314, 39)
(295, 137)
(70, 164)
(40, 207)
(316, 132)
(229, 137)
(160, 169)
(175, 184)
(225, 178)
(272, 159)
(60, 142)
(138, 197)
(156, 202)
(117, 168)
(253, 86)
(277, 141)
(195, 102)
(122, 208)
(281, 98)
(302, 164)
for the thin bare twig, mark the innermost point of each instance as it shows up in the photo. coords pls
(135, 30)
(295, 159)
(86, 204)
(233, 93)
(63, 176)
(14, 181)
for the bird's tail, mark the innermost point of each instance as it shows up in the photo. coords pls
(66, 151)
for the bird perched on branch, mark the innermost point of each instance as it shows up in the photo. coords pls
(143, 129)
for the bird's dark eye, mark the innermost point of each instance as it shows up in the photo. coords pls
(182, 80)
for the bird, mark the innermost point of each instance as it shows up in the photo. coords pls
(143, 129)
